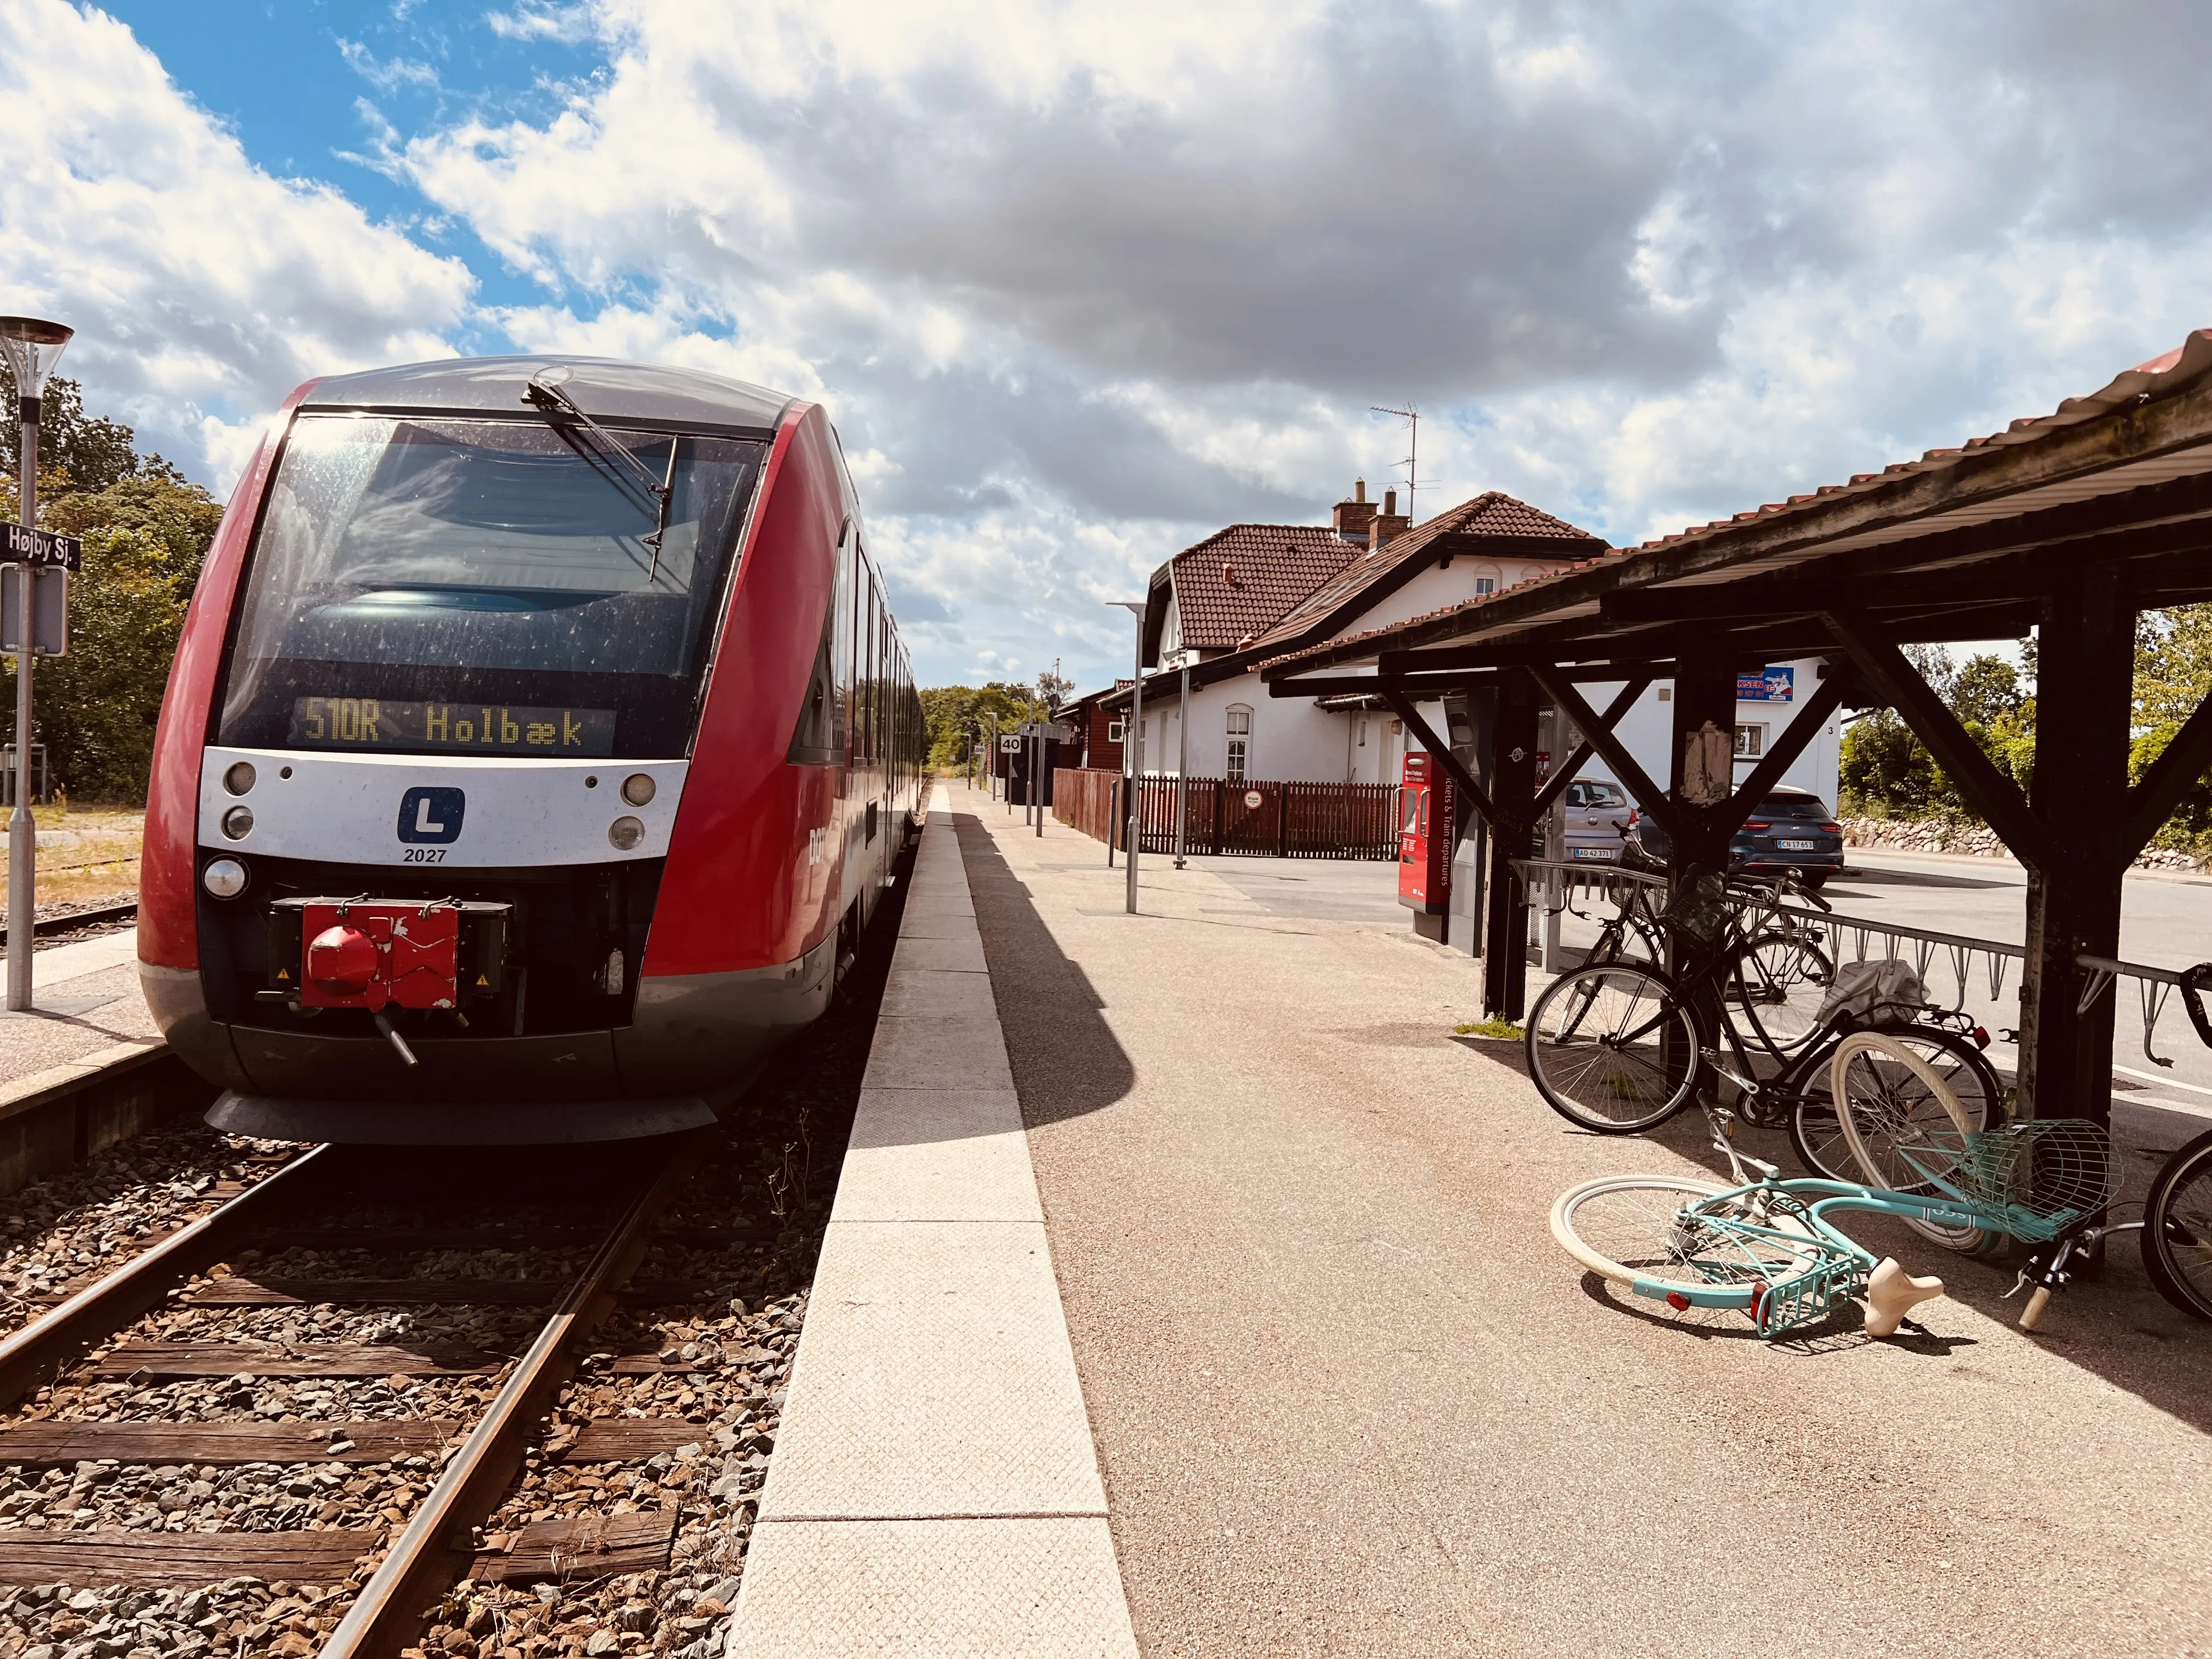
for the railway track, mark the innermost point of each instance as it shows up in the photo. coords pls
(68, 921)
(234, 1380)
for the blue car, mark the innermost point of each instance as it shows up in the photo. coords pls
(1789, 829)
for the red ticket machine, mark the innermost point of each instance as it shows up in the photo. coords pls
(1424, 836)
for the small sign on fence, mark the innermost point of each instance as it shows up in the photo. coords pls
(1253, 797)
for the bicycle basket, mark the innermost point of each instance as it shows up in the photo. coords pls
(2033, 1180)
(1808, 1299)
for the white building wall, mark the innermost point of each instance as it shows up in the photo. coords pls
(1647, 727)
(1292, 740)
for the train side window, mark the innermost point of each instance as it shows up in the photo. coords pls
(814, 739)
(841, 614)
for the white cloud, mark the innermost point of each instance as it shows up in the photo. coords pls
(1092, 280)
(1081, 282)
(201, 289)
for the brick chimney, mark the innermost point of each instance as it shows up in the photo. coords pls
(1352, 517)
(1387, 523)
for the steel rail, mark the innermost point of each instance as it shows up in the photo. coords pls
(42, 1349)
(71, 921)
(388, 1614)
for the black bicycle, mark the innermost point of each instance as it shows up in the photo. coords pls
(1618, 1047)
(2177, 1222)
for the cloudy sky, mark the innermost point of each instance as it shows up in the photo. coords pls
(1081, 282)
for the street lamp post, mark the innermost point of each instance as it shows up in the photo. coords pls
(32, 347)
(1182, 759)
(1133, 737)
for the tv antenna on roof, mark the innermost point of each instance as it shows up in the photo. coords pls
(1411, 414)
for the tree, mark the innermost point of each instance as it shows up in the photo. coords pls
(146, 531)
(1888, 772)
(2173, 675)
(952, 712)
(76, 451)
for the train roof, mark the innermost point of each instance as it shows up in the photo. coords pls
(606, 387)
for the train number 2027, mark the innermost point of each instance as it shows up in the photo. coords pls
(423, 855)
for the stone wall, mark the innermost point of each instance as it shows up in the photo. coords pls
(1975, 839)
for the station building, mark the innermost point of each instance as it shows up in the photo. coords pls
(1251, 593)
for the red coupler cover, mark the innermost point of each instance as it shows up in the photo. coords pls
(363, 953)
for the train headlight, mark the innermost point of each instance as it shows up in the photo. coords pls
(224, 878)
(239, 778)
(238, 822)
(637, 788)
(626, 833)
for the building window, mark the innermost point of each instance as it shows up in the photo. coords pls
(1750, 742)
(1114, 730)
(1487, 580)
(1240, 720)
(1236, 759)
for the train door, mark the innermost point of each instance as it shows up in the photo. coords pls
(1424, 836)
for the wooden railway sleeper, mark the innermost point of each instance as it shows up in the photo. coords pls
(388, 1613)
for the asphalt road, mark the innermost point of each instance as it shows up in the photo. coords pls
(2167, 922)
(1351, 1399)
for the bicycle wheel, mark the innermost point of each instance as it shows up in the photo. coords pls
(1647, 1229)
(1819, 1138)
(1891, 1103)
(2177, 1234)
(1777, 981)
(1611, 1047)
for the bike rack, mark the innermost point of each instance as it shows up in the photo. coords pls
(1557, 881)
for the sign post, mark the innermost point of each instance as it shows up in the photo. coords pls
(32, 347)
(1132, 736)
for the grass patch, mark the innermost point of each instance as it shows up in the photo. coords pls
(1501, 1031)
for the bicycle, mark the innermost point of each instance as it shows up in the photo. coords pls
(2177, 1220)
(1620, 1047)
(1766, 1247)
(1777, 979)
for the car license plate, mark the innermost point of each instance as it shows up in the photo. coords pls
(1605, 852)
(1795, 846)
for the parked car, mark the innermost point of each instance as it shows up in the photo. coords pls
(1597, 814)
(1789, 829)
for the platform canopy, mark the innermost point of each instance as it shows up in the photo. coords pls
(2069, 523)
(1968, 543)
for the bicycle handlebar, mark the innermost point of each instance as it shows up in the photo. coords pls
(2194, 982)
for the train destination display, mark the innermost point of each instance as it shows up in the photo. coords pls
(477, 728)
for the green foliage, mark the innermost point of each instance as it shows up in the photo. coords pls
(952, 712)
(146, 531)
(2173, 674)
(76, 451)
(1888, 772)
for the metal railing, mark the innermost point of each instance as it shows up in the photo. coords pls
(1553, 883)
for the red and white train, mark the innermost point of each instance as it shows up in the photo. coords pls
(538, 744)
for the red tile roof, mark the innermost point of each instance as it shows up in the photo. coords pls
(1490, 514)
(1238, 581)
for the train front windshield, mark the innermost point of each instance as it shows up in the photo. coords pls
(502, 587)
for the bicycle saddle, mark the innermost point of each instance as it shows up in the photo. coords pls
(1892, 1292)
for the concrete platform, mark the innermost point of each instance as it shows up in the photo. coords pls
(934, 1489)
(86, 1000)
(1351, 1399)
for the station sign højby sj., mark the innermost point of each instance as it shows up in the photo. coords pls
(43, 548)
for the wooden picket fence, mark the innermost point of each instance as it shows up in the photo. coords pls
(1233, 815)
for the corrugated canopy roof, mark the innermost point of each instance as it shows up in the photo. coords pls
(1952, 540)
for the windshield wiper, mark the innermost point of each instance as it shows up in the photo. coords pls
(556, 405)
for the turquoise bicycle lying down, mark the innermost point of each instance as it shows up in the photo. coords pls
(1767, 1248)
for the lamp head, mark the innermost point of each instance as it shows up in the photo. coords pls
(32, 346)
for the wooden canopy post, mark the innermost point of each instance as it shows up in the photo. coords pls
(1513, 790)
(2085, 666)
